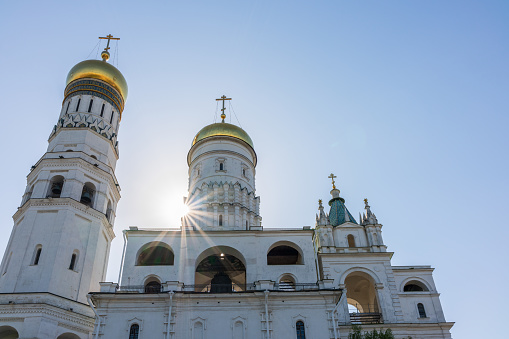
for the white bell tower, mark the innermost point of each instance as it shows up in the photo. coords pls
(222, 163)
(59, 245)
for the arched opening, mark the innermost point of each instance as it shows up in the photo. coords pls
(155, 254)
(351, 240)
(220, 220)
(221, 166)
(415, 286)
(422, 311)
(301, 331)
(287, 283)
(134, 331)
(108, 211)
(68, 336)
(55, 187)
(153, 285)
(220, 269)
(284, 253)
(8, 332)
(361, 294)
(74, 258)
(87, 194)
(37, 255)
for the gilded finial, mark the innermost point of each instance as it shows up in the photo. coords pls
(223, 115)
(365, 200)
(332, 176)
(105, 54)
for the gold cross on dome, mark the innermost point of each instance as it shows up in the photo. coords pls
(109, 37)
(223, 98)
(332, 176)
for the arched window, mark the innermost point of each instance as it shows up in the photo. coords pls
(155, 255)
(220, 220)
(301, 333)
(422, 311)
(37, 255)
(108, 211)
(221, 166)
(351, 240)
(246, 225)
(90, 105)
(7, 263)
(112, 115)
(56, 186)
(8, 332)
(72, 264)
(415, 286)
(67, 109)
(284, 255)
(134, 332)
(78, 105)
(87, 194)
(102, 111)
(153, 287)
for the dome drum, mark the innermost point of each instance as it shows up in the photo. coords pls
(96, 88)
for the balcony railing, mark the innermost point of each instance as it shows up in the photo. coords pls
(366, 318)
(292, 287)
(218, 288)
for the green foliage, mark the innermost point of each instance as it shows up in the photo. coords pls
(356, 333)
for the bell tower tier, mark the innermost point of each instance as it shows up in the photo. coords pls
(222, 164)
(63, 229)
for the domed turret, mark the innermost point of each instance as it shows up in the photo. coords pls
(222, 163)
(99, 69)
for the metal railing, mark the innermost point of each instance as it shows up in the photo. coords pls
(291, 287)
(366, 318)
(218, 288)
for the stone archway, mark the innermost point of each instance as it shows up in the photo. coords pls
(8, 332)
(220, 269)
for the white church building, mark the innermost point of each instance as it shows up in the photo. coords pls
(221, 274)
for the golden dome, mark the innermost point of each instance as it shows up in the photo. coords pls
(223, 129)
(98, 69)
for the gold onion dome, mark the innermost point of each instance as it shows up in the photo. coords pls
(99, 69)
(223, 129)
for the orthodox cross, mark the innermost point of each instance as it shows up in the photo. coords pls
(223, 98)
(109, 37)
(332, 176)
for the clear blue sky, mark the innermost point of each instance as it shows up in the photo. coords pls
(405, 101)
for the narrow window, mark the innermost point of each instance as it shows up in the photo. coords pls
(78, 105)
(220, 220)
(90, 105)
(68, 104)
(244, 172)
(102, 111)
(246, 224)
(111, 118)
(221, 166)
(37, 256)
(351, 240)
(134, 331)
(301, 333)
(422, 311)
(7, 263)
(73, 261)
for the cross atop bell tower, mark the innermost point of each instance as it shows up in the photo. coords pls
(223, 98)
(105, 54)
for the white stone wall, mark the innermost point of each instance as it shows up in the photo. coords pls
(216, 316)
(187, 247)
